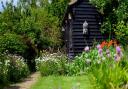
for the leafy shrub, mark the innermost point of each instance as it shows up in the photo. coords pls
(52, 64)
(4, 65)
(12, 43)
(57, 8)
(115, 18)
(25, 31)
(18, 69)
(121, 32)
(76, 67)
(49, 68)
(13, 68)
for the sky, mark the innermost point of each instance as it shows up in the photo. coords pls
(4, 2)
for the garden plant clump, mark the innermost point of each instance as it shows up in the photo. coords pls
(51, 64)
(12, 69)
(106, 65)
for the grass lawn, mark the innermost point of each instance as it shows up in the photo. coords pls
(63, 82)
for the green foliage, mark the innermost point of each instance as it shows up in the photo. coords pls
(12, 69)
(105, 72)
(57, 8)
(17, 69)
(48, 68)
(3, 70)
(25, 30)
(115, 17)
(12, 43)
(76, 67)
(31, 26)
(109, 75)
(122, 33)
(50, 28)
(52, 64)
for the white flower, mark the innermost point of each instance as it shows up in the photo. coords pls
(88, 61)
(98, 61)
(103, 58)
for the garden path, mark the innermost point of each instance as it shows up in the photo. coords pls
(26, 83)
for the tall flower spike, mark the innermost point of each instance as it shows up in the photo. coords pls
(108, 53)
(100, 52)
(118, 53)
(118, 50)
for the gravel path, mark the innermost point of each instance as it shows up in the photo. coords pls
(26, 83)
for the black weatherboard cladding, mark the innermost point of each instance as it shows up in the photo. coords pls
(84, 11)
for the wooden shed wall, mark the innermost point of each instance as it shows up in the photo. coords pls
(83, 11)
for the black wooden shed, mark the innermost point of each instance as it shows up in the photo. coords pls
(76, 14)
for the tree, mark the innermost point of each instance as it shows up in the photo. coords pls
(30, 27)
(115, 13)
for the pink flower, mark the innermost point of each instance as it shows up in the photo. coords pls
(98, 46)
(86, 49)
(117, 57)
(108, 53)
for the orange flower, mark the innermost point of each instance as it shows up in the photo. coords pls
(104, 43)
(110, 43)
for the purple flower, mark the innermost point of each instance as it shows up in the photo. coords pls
(108, 53)
(86, 49)
(118, 49)
(100, 52)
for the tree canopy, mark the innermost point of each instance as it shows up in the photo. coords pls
(115, 17)
(31, 24)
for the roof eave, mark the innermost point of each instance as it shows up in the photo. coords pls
(72, 2)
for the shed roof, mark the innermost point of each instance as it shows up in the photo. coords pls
(72, 2)
(69, 8)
